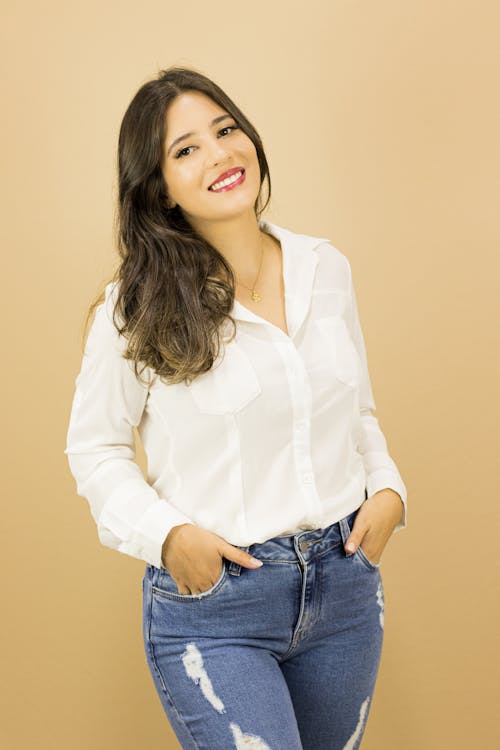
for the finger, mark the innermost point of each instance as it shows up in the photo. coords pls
(240, 556)
(355, 537)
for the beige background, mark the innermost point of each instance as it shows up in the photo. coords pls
(381, 123)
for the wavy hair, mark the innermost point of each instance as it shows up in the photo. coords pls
(174, 288)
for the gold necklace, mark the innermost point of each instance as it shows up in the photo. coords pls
(256, 297)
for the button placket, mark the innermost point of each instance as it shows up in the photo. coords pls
(301, 405)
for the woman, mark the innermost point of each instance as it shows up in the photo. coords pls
(234, 346)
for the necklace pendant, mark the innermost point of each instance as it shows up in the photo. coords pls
(256, 297)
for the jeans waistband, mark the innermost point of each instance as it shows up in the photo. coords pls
(303, 544)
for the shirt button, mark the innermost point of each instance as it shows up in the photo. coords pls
(308, 477)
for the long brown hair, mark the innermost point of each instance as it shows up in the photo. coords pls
(175, 289)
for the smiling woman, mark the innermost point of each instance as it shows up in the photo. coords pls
(176, 282)
(192, 174)
(265, 460)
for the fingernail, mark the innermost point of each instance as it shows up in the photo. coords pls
(350, 546)
(256, 562)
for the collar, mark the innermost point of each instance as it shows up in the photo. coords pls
(300, 260)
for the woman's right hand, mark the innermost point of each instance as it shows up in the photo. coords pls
(193, 557)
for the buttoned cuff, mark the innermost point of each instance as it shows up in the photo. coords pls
(145, 540)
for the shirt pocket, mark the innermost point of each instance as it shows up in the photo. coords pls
(339, 350)
(229, 386)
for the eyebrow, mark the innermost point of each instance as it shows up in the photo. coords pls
(188, 135)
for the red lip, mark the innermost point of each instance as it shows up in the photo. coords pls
(228, 173)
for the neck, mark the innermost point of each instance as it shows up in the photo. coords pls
(239, 240)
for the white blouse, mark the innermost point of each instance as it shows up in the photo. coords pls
(278, 436)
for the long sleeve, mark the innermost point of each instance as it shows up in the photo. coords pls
(381, 470)
(108, 403)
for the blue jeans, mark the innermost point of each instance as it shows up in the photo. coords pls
(281, 657)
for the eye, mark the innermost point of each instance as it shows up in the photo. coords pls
(229, 127)
(181, 153)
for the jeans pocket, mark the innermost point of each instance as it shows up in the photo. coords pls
(163, 585)
(359, 554)
(366, 560)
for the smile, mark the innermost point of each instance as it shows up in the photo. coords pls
(229, 183)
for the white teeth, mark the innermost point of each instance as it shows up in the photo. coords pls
(227, 181)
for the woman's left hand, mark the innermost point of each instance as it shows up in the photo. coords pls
(374, 523)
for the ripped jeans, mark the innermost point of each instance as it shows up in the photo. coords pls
(281, 657)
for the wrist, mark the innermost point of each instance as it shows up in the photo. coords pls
(168, 539)
(393, 501)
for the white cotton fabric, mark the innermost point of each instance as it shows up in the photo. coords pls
(278, 436)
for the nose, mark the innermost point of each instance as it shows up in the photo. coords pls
(217, 152)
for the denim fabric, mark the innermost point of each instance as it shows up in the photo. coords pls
(282, 657)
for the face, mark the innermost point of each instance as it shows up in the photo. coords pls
(194, 163)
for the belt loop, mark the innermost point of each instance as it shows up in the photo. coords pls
(344, 526)
(154, 574)
(344, 529)
(235, 568)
